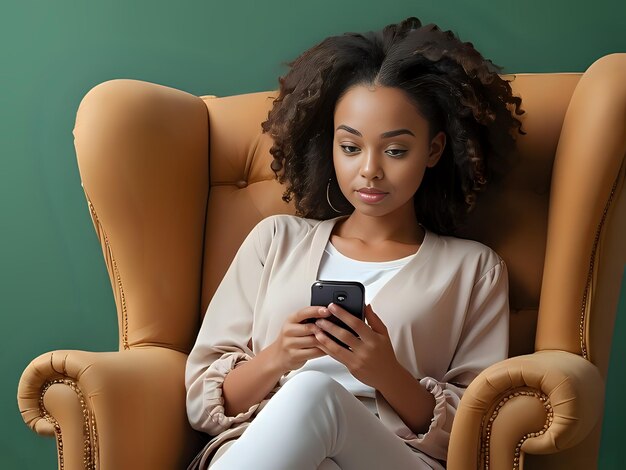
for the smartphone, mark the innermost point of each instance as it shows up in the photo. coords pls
(350, 295)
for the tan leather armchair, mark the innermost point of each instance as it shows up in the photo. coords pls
(174, 182)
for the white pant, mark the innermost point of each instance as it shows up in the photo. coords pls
(313, 423)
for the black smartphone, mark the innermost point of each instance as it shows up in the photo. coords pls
(350, 295)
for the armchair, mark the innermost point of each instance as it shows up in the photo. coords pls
(174, 182)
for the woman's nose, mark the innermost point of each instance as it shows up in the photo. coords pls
(370, 166)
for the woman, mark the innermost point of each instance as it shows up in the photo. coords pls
(416, 123)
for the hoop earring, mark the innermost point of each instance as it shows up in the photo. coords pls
(328, 196)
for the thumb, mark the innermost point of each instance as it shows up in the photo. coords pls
(374, 320)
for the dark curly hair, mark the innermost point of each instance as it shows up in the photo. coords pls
(454, 88)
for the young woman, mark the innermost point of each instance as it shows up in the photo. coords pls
(383, 140)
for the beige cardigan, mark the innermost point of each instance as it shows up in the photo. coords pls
(446, 312)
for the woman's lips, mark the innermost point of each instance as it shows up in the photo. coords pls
(371, 196)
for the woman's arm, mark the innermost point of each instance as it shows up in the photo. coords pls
(483, 341)
(409, 399)
(222, 343)
(251, 381)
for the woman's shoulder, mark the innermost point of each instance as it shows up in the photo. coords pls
(281, 230)
(286, 222)
(468, 252)
(284, 227)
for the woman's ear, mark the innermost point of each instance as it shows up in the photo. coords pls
(437, 145)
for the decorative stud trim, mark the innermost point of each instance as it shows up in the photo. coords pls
(486, 437)
(118, 278)
(582, 327)
(94, 438)
(89, 449)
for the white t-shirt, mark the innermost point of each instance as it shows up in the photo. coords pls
(335, 266)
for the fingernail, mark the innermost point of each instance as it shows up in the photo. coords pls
(332, 307)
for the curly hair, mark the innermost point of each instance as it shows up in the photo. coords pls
(452, 85)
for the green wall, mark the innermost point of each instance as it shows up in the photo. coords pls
(54, 289)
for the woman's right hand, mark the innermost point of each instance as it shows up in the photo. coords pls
(296, 342)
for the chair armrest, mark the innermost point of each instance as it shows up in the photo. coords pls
(540, 403)
(121, 410)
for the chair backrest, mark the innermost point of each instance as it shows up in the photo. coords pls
(175, 183)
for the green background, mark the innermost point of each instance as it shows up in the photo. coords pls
(54, 287)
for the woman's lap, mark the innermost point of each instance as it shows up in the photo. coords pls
(314, 422)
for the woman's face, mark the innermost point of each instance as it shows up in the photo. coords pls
(381, 149)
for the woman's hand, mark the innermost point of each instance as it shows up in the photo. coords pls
(296, 342)
(371, 358)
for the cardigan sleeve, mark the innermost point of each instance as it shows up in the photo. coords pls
(483, 342)
(224, 338)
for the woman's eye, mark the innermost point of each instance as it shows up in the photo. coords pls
(349, 148)
(395, 152)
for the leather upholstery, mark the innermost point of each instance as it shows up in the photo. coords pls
(174, 182)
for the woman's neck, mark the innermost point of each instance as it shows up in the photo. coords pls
(399, 227)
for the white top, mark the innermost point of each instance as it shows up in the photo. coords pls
(336, 266)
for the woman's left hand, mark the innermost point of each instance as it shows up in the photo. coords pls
(371, 358)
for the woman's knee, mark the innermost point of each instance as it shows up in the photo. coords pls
(306, 394)
(328, 464)
(311, 383)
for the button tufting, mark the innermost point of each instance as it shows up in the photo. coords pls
(241, 184)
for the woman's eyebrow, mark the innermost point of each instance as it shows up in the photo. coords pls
(349, 129)
(384, 135)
